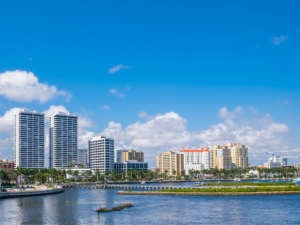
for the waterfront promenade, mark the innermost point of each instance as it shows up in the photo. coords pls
(32, 191)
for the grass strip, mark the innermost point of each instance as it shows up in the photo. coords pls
(250, 184)
(263, 189)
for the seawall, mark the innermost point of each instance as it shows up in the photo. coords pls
(29, 193)
(211, 193)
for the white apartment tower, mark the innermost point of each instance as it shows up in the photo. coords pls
(196, 159)
(29, 139)
(101, 154)
(63, 134)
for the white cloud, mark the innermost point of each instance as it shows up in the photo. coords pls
(169, 132)
(105, 107)
(118, 67)
(253, 110)
(115, 92)
(54, 109)
(7, 121)
(279, 40)
(24, 87)
(145, 115)
(278, 128)
(225, 114)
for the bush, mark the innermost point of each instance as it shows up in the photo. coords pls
(129, 190)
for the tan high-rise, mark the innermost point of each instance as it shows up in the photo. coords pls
(239, 154)
(132, 155)
(171, 162)
(220, 157)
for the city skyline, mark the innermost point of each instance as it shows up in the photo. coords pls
(156, 79)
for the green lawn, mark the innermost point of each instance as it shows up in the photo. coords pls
(262, 189)
(250, 184)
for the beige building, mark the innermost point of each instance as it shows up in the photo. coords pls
(239, 154)
(170, 161)
(220, 157)
(132, 155)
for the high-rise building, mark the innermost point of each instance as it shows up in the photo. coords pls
(101, 154)
(239, 154)
(220, 157)
(29, 139)
(118, 155)
(132, 155)
(196, 159)
(171, 162)
(63, 137)
(82, 157)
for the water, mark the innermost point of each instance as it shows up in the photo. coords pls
(77, 206)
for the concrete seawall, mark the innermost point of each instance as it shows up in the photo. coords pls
(29, 193)
(211, 193)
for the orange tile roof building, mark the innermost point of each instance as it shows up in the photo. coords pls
(196, 159)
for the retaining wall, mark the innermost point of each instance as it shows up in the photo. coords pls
(29, 193)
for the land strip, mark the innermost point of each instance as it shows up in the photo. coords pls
(211, 193)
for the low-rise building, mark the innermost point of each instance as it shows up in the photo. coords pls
(196, 159)
(5, 164)
(275, 161)
(129, 165)
(81, 172)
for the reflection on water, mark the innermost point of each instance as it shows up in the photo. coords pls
(77, 206)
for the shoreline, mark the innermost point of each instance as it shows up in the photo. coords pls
(29, 193)
(211, 193)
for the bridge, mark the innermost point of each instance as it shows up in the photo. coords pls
(123, 187)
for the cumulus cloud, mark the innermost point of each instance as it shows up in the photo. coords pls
(24, 87)
(7, 121)
(116, 92)
(118, 67)
(279, 40)
(105, 107)
(225, 114)
(169, 132)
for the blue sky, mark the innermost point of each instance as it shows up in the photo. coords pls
(188, 59)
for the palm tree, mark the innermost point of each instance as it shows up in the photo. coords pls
(26, 173)
(75, 174)
(1, 177)
(19, 172)
(174, 172)
(166, 173)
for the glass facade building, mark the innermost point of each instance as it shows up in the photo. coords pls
(29, 139)
(63, 135)
(129, 165)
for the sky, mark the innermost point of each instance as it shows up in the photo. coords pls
(156, 75)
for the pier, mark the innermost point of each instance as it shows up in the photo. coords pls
(124, 187)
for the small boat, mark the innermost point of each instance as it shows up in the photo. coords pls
(237, 179)
(143, 182)
(296, 179)
(197, 182)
